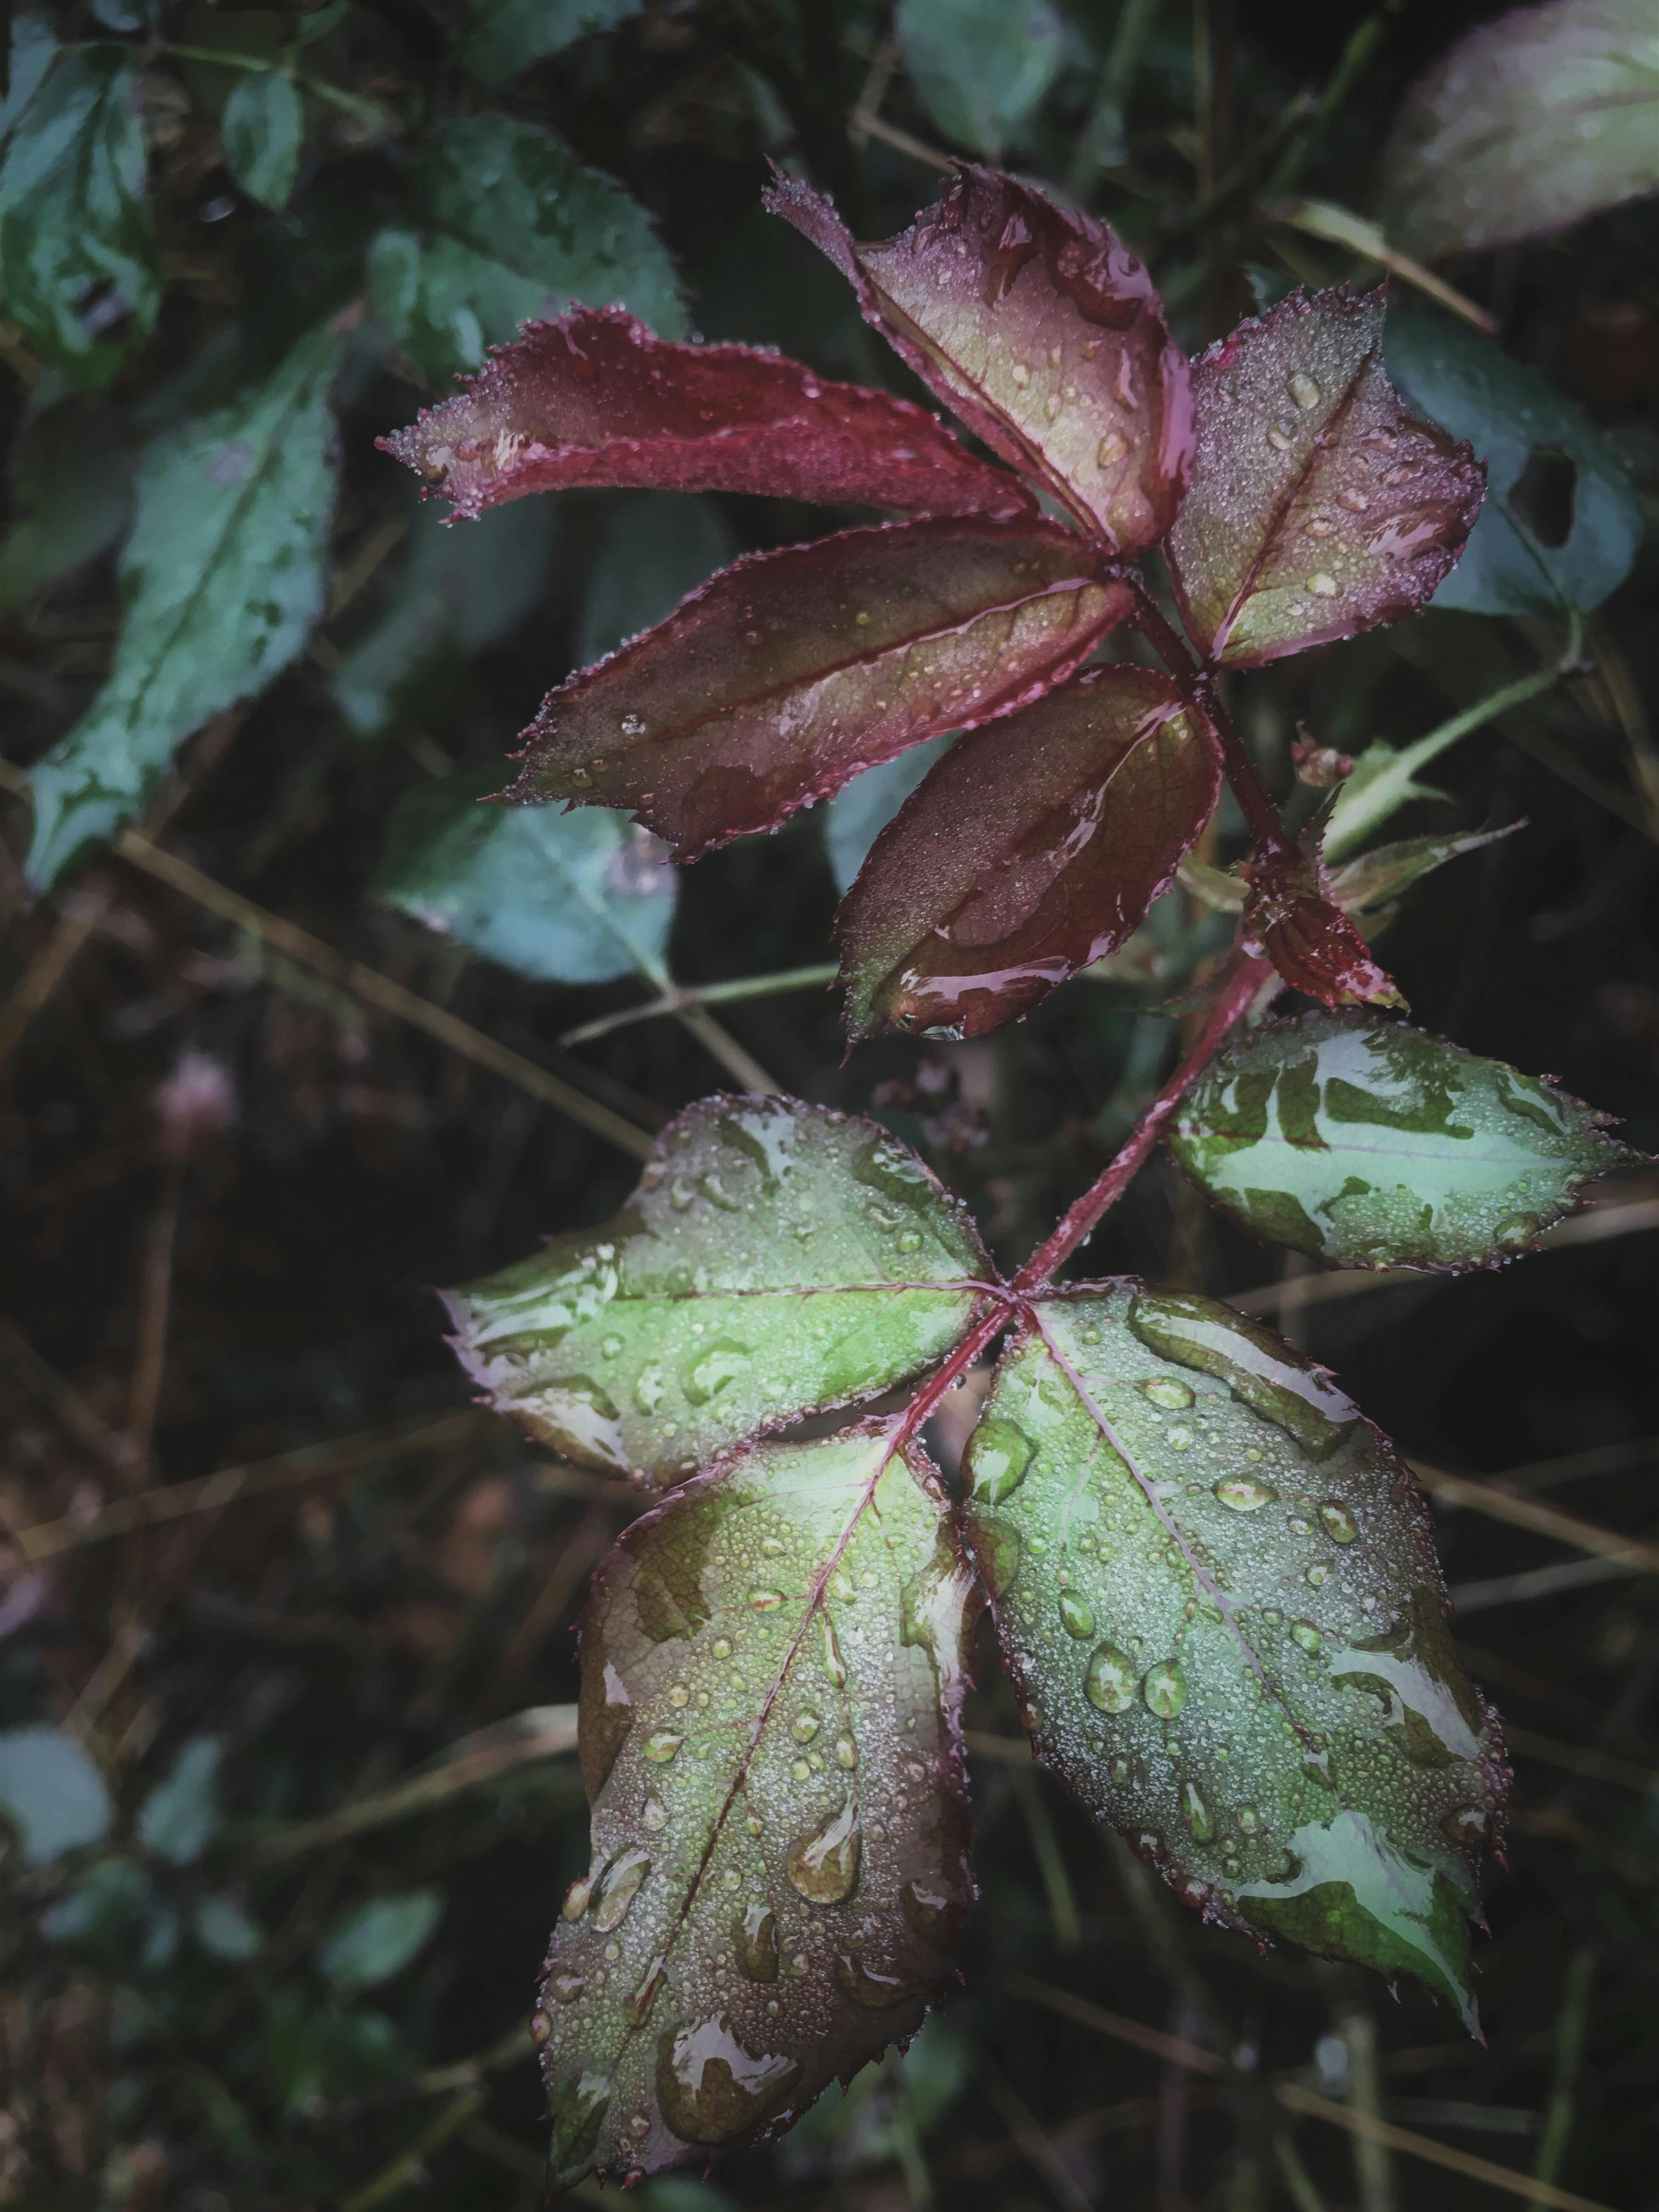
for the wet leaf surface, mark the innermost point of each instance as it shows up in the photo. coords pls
(1033, 848)
(789, 671)
(1044, 331)
(772, 1671)
(595, 399)
(1320, 505)
(776, 1260)
(1214, 1586)
(1371, 1145)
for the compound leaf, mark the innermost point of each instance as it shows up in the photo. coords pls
(264, 132)
(504, 38)
(1370, 1144)
(1530, 123)
(1215, 1588)
(513, 226)
(981, 67)
(569, 898)
(789, 671)
(776, 1260)
(1521, 558)
(77, 247)
(771, 1679)
(1292, 914)
(594, 399)
(1319, 506)
(220, 582)
(1042, 330)
(1033, 848)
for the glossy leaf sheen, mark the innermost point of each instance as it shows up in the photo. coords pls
(571, 898)
(1291, 914)
(1371, 1145)
(1531, 122)
(1034, 847)
(220, 582)
(771, 1672)
(1045, 334)
(514, 227)
(790, 671)
(594, 399)
(775, 1260)
(1215, 1588)
(1507, 412)
(1319, 506)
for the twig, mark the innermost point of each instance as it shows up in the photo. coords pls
(82, 912)
(1295, 2098)
(1535, 1581)
(1035, 2147)
(681, 995)
(891, 134)
(1351, 65)
(77, 1416)
(1581, 1759)
(155, 1308)
(1569, 2051)
(584, 1545)
(1340, 226)
(410, 2165)
(1498, 1504)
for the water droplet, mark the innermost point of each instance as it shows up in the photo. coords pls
(1319, 526)
(678, 1695)
(715, 1369)
(935, 1912)
(1317, 1575)
(1075, 1616)
(610, 1346)
(681, 1195)
(645, 1991)
(800, 1770)
(617, 1888)
(1516, 1232)
(710, 2089)
(653, 1815)
(865, 1984)
(824, 1865)
(661, 1748)
(1321, 586)
(766, 1601)
(1179, 1439)
(862, 618)
(847, 1753)
(1340, 1524)
(1051, 406)
(1305, 1637)
(564, 1987)
(1111, 1680)
(1468, 1826)
(911, 1241)
(541, 2027)
(1279, 438)
(1303, 389)
(576, 2107)
(576, 1897)
(1249, 1818)
(833, 1665)
(1195, 1813)
(1021, 374)
(998, 1457)
(1244, 1493)
(804, 1727)
(1165, 1391)
(1111, 449)
(1355, 501)
(1165, 1689)
(1090, 1335)
(1122, 1770)
(755, 1943)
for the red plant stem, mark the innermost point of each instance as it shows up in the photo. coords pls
(1198, 688)
(1242, 979)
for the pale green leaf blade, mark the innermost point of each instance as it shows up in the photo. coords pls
(221, 580)
(1216, 1592)
(504, 38)
(1370, 1144)
(981, 67)
(182, 1815)
(574, 898)
(1362, 885)
(77, 247)
(772, 1674)
(777, 1258)
(457, 590)
(264, 131)
(1509, 414)
(372, 1942)
(51, 1793)
(515, 228)
(33, 44)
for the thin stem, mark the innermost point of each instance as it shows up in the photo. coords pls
(350, 102)
(679, 996)
(1240, 983)
(1351, 65)
(1102, 144)
(1568, 2052)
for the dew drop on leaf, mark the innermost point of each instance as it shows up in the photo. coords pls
(576, 1897)
(1165, 1391)
(660, 1748)
(617, 1888)
(824, 1865)
(1322, 586)
(1075, 1616)
(1196, 1813)
(1165, 1689)
(865, 1984)
(755, 1943)
(804, 1727)
(710, 2088)
(1244, 1493)
(1304, 390)
(998, 1457)
(565, 1987)
(1111, 1680)
(1340, 1524)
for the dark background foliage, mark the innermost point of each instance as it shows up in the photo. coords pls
(231, 1176)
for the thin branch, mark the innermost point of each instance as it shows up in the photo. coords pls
(681, 995)
(1339, 226)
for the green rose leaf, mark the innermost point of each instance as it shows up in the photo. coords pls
(220, 582)
(776, 1260)
(1370, 1144)
(77, 247)
(982, 67)
(1215, 1588)
(264, 132)
(772, 1668)
(504, 38)
(571, 898)
(513, 227)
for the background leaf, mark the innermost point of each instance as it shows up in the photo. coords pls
(981, 67)
(654, 547)
(504, 38)
(1531, 122)
(776, 1260)
(790, 671)
(988, 888)
(576, 898)
(1214, 1588)
(180, 1816)
(1044, 331)
(263, 130)
(52, 1793)
(377, 1939)
(77, 248)
(71, 497)
(861, 810)
(1370, 1144)
(594, 399)
(513, 226)
(1574, 543)
(33, 45)
(221, 580)
(772, 1671)
(1318, 505)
